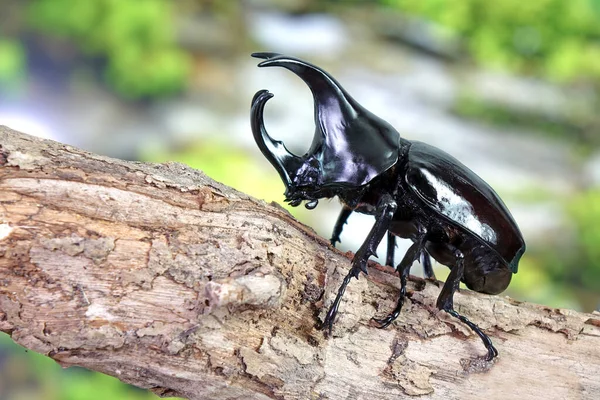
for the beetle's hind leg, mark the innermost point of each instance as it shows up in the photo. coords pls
(487, 342)
(445, 302)
(425, 258)
(412, 254)
(427, 267)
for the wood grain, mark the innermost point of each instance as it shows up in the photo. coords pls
(168, 280)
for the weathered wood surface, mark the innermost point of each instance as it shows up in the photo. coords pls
(157, 275)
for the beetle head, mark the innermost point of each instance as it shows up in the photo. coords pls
(351, 146)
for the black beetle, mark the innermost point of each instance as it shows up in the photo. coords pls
(414, 190)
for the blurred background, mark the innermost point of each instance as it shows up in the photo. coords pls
(511, 88)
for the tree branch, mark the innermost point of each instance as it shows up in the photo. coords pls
(157, 275)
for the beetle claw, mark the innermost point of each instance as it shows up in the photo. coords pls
(384, 322)
(492, 353)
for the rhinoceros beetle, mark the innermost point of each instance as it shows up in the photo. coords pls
(414, 190)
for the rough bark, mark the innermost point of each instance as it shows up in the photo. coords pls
(157, 275)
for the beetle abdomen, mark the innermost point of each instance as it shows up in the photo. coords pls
(458, 195)
(485, 271)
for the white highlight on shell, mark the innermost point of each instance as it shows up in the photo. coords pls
(457, 209)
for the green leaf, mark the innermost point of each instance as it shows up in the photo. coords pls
(12, 65)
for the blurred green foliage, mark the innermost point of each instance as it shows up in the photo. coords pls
(135, 38)
(533, 284)
(39, 377)
(580, 272)
(578, 127)
(553, 38)
(12, 65)
(565, 271)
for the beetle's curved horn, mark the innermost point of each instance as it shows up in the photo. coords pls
(286, 163)
(351, 145)
(327, 92)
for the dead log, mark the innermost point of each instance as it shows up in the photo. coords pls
(168, 280)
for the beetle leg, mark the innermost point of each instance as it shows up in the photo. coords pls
(391, 249)
(339, 225)
(427, 267)
(385, 212)
(412, 254)
(425, 258)
(445, 302)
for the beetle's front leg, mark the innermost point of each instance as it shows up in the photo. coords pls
(339, 225)
(445, 302)
(383, 216)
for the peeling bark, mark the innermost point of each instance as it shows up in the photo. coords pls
(157, 275)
